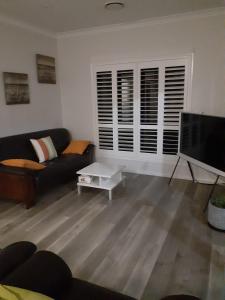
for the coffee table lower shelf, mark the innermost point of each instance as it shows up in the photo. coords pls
(102, 183)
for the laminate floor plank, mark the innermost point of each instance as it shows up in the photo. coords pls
(150, 241)
(121, 212)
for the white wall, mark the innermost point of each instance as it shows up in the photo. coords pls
(17, 54)
(202, 36)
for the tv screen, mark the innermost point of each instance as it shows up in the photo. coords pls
(202, 137)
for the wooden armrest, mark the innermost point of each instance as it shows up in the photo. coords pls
(18, 187)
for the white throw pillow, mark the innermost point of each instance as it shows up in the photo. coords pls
(44, 148)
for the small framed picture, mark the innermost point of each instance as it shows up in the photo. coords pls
(16, 88)
(46, 69)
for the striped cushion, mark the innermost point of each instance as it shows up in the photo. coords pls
(44, 148)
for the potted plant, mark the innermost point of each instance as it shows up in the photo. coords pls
(216, 212)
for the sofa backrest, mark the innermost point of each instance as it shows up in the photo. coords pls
(19, 146)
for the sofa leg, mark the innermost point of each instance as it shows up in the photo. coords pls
(29, 202)
(31, 194)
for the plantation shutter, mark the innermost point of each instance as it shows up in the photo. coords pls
(125, 109)
(125, 96)
(148, 141)
(125, 137)
(170, 141)
(149, 93)
(105, 138)
(149, 96)
(138, 107)
(104, 96)
(174, 89)
(105, 110)
(174, 94)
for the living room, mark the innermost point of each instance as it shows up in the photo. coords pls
(145, 239)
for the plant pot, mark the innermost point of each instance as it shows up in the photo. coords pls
(216, 216)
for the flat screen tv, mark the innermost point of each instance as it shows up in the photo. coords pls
(202, 141)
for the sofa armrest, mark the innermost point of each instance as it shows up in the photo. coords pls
(14, 255)
(89, 153)
(17, 170)
(45, 273)
(18, 184)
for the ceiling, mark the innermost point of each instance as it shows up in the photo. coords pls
(67, 15)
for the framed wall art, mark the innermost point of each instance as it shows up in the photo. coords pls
(46, 69)
(16, 88)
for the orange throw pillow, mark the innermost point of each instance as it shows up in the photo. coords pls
(76, 147)
(23, 163)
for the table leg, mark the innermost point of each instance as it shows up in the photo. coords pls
(123, 178)
(110, 195)
(79, 189)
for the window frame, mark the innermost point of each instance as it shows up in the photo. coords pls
(136, 65)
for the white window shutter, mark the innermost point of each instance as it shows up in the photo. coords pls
(104, 97)
(125, 109)
(105, 109)
(138, 107)
(105, 138)
(125, 139)
(149, 96)
(148, 141)
(170, 141)
(174, 94)
(125, 94)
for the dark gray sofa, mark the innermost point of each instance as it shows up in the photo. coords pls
(23, 185)
(46, 273)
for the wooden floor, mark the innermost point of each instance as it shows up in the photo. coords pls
(151, 241)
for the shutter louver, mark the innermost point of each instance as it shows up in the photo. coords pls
(125, 139)
(148, 141)
(174, 94)
(149, 96)
(104, 97)
(125, 83)
(105, 138)
(170, 141)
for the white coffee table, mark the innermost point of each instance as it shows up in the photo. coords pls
(104, 177)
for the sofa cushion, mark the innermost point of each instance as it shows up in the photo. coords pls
(44, 148)
(60, 170)
(76, 147)
(45, 273)
(23, 163)
(14, 255)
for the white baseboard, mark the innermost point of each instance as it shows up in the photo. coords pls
(162, 169)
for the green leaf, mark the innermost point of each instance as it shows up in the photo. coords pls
(218, 201)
